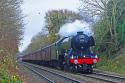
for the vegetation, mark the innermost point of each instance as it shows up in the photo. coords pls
(114, 64)
(109, 30)
(56, 18)
(11, 30)
(37, 42)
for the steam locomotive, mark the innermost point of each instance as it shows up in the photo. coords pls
(69, 53)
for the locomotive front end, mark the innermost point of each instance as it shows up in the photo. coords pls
(81, 56)
(83, 63)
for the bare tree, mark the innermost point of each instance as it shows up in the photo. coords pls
(11, 30)
(93, 7)
(106, 27)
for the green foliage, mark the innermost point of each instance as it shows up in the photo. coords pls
(52, 37)
(109, 32)
(109, 29)
(37, 42)
(6, 78)
(114, 64)
(55, 19)
(121, 32)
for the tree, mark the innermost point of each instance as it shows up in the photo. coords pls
(11, 30)
(39, 41)
(111, 14)
(56, 18)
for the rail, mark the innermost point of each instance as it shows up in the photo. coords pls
(54, 73)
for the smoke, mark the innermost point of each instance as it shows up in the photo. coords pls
(70, 29)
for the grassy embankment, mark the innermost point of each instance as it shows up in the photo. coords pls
(8, 68)
(116, 63)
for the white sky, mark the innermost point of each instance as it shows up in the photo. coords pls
(35, 11)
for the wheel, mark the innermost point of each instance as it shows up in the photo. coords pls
(71, 69)
(75, 69)
(66, 68)
(90, 69)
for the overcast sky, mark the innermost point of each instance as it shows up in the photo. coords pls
(35, 10)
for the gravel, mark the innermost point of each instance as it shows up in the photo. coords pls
(28, 76)
(108, 72)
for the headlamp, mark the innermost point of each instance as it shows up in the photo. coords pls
(75, 61)
(94, 61)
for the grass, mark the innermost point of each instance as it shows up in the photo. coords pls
(6, 79)
(114, 64)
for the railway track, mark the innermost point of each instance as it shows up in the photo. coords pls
(50, 76)
(39, 74)
(113, 78)
(106, 77)
(99, 77)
